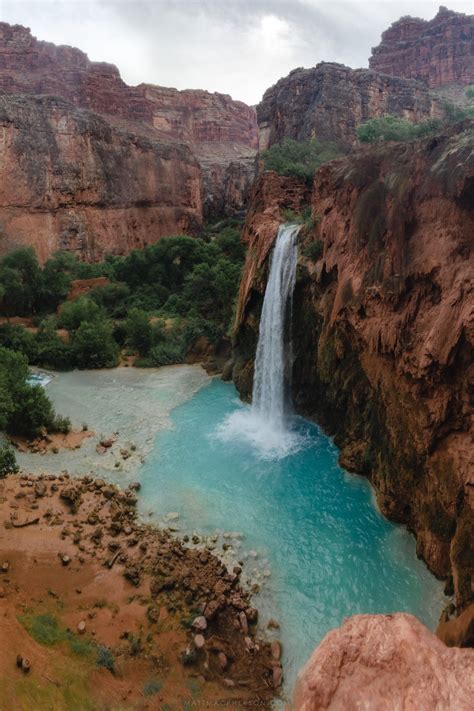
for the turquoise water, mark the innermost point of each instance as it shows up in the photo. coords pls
(302, 518)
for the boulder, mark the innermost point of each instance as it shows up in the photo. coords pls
(379, 662)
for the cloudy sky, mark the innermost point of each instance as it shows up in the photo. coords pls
(239, 47)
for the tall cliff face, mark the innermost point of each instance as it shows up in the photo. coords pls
(437, 52)
(72, 181)
(383, 329)
(329, 101)
(213, 140)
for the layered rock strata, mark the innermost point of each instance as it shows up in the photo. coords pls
(110, 167)
(437, 52)
(329, 101)
(379, 662)
(383, 329)
(72, 181)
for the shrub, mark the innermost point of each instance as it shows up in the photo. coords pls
(17, 338)
(139, 332)
(8, 464)
(105, 658)
(93, 345)
(469, 91)
(168, 353)
(73, 313)
(301, 159)
(313, 250)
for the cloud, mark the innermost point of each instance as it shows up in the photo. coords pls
(239, 47)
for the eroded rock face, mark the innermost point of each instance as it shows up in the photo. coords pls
(383, 329)
(71, 181)
(329, 101)
(437, 52)
(198, 152)
(379, 662)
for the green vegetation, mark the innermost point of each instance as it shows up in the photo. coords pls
(469, 91)
(46, 631)
(105, 658)
(152, 687)
(313, 250)
(24, 408)
(157, 303)
(300, 159)
(8, 463)
(393, 128)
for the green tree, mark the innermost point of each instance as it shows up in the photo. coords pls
(94, 346)
(21, 279)
(8, 463)
(73, 313)
(139, 331)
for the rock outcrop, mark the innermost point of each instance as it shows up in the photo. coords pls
(72, 181)
(438, 52)
(198, 152)
(329, 101)
(383, 329)
(379, 662)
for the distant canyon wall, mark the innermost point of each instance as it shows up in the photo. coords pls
(437, 52)
(383, 328)
(329, 101)
(175, 158)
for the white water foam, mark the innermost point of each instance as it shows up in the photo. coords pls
(265, 426)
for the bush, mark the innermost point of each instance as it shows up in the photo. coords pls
(469, 91)
(301, 159)
(313, 250)
(105, 658)
(93, 345)
(52, 351)
(17, 338)
(73, 313)
(168, 353)
(139, 333)
(8, 464)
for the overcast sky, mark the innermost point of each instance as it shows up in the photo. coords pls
(239, 47)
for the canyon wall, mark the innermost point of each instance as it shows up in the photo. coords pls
(198, 152)
(438, 52)
(329, 101)
(72, 181)
(383, 328)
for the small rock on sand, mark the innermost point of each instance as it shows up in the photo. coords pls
(200, 623)
(276, 649)
(199, 641)
(81, 627)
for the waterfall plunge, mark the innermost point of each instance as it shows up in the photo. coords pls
(273, 359)
(265, 424)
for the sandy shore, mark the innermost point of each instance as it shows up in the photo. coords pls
(113, 614)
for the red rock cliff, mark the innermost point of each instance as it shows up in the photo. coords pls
(437, 52)
(383, 329)
(329, 101)
(213, 140)
(70, 180)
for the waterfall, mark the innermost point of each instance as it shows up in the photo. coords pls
(273, 359)
(265, 425)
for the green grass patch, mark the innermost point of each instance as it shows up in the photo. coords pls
(46, 630)
(152, 687)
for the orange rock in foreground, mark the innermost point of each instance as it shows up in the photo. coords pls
(379, 662)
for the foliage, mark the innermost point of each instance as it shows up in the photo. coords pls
(300, 159)
(105, 658)
(394, 128)
(45, 630)
(139, 332)
(469, 91)
(93, 345)
(152, 687)
(313, 250)
(73, 313)
(8, 463)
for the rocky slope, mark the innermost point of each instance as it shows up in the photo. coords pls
(437, 52)
(329, 101)
(383, 329)
(72, 181)
(378, 662)
(206, 141)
